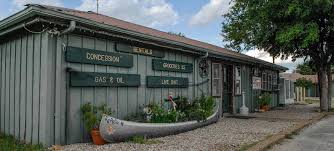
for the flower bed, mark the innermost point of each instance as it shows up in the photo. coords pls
(178, 109)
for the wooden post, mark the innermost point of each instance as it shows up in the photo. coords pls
(304, 92)
(234, 111)
(298, 95)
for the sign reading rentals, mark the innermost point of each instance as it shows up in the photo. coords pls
(139, 50)
(165, 65)
(82, 55)
(87, 79)
(166, 82)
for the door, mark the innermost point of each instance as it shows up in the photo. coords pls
(227, 88)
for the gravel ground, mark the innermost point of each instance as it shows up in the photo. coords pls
(226, 134)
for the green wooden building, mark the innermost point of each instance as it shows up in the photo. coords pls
(53, 60)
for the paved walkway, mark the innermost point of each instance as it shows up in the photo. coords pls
(318, 137)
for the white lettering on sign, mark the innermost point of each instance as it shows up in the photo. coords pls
(172, 66)
(100, 57)
(143, 50)
(169, 82)
(120, 80)
(103, 79)
(100, 79)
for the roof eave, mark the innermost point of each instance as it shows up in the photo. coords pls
(32, 10)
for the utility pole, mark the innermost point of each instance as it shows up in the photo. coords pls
(97, 6)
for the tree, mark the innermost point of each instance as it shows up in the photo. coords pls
(303, 82)
(306, 68)
(297, 28)
(309, 68)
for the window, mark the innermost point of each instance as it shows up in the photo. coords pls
(275, 85)
(216, 79)
(270, 80)
(237, 81)
(292, 90)
(255, 72)
(264, 81)
(287, 89)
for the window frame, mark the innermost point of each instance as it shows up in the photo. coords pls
(217, 91)
(264, 81)
(275, 82)
(237, 90)
(269, 81)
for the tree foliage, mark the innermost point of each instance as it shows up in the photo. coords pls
(303, 82)
(309, 68)
(306, 68)
(297, 28)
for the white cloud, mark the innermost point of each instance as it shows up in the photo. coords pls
(19, 4)
(210, 11)
(260, 54)
(152, 13)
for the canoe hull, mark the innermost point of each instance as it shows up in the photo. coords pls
(113, 129)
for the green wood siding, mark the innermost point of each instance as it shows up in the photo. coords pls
(251, 96)
(123, 100)
(38, 105)
(24, 92)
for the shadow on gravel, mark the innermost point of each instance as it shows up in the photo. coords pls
(240, 116)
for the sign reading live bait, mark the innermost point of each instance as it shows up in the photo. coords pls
(138, 50)
(82, 55)
(166, 65)
(166, 82)
(88, 79)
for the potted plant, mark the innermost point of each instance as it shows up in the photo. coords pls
(92, 116)
(264, 101)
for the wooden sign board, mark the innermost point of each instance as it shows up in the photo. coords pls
(256, 83)
(166, 65)
(90, 79)
(89, 56)
(166, 82)
(139, 50)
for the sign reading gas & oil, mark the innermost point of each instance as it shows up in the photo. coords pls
(166, 65)
(87, 79)
(166, 82)
(82, 55)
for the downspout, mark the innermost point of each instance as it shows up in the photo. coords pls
(205, 56)
(71, 28)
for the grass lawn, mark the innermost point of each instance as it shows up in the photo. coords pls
(9, 143)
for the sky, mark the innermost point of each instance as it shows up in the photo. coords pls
(196, 19)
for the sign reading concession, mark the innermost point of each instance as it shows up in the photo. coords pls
(82, 55)
(88, 79)
(166, 82)
(165, 65)
(139, 50)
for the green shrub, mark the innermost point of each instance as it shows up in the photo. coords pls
(182, 103)
(200, 109)
(9, 143)
(303, 82)
(265, 99)
(160, 115)
(92, 115)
